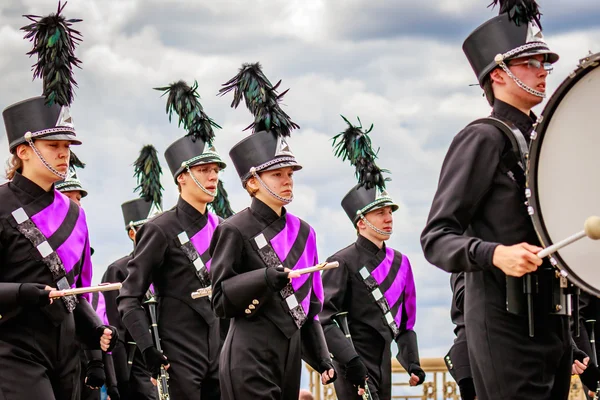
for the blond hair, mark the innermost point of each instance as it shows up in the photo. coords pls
(13, 165)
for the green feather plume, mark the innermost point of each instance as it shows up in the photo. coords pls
(521, 12)
(220, 204)
(262, 99)
(354, 144)
(75, 161)
(185, 102)
(147, 171)
(54, 42)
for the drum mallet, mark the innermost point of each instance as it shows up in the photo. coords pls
(591, 229)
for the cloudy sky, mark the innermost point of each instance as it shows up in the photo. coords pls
(396, 64)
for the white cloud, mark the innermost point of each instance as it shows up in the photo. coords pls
(397, 66)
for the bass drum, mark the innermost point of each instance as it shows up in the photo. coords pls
(563, 173)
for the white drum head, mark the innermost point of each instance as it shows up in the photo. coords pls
(564, 175)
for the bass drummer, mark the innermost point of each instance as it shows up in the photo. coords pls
(478, 222)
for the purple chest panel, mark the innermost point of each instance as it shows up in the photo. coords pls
(201, 240)
(401, 283)
(76, 244)
(288, 239)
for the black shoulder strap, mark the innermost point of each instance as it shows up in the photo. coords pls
(512, 133)
(514, 162)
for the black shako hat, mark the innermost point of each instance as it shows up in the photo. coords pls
(515, 32)
(354, 144)
(47, 117)
(266, 149)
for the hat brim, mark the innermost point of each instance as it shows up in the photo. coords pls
(60, 136)
(215, 160)
(295, 166)
(376, 205)
(551, 56)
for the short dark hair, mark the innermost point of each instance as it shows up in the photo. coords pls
(488, 90)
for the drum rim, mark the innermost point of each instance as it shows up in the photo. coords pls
(532, 167)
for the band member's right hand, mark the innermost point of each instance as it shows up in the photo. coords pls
(517, 260)
(154, 360)
(113, 393)
(277, 278)
(356, 373)
(35, 294)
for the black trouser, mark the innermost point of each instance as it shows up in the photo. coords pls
(507, 364)
(39, 360)
(259, 362)
(191, 347)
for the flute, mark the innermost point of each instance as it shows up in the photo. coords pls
(207, 291)
(103, 287)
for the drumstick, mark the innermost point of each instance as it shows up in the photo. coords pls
(203, 292)
(104, 287)
(591, 229)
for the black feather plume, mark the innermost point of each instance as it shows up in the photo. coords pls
(220, 204)
(75, 162)
(519, 11)
(185, 102)
(354, 144)
(147, 171)
(54, 42)
(262, 99)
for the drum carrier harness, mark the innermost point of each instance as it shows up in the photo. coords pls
(565, 296)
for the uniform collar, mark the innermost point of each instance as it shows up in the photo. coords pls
(369, 246)
(522, 121)
(265, 212)
(28, 186)
(193, 213)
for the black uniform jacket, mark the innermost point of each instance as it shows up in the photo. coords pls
(242, 247)
(477, 206)
(376, 287)
(39, 229)
(116, 272)
(172, 253)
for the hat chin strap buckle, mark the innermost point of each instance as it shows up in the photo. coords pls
(205, 190)
(284, 200)
(373, 227)
(29, 140)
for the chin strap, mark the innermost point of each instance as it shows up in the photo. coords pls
(373, 227)
(205, 190)
(500, 61)
(43, 160)
(284, 200)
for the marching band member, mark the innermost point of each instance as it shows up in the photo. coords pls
(479, 223)
(44, 242)
(374, 284)
(273, 310)
(171, 252)
(131, 373)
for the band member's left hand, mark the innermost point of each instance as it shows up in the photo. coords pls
(579, 367)
(417, 375)
(328, 376)
(108, 337)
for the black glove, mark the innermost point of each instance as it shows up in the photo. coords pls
(113, 393)
(356, 372)
(590, 377)
(33, 294)
(467, 389)
(325, 365)
(114, 338)
(94, 374)
(154, 360)
(418, 371)
(276, 278)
